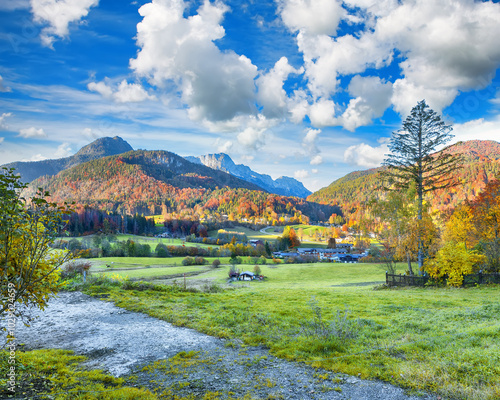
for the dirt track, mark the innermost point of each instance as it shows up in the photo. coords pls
(123, 342)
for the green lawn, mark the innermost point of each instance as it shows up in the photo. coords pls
(441, 340)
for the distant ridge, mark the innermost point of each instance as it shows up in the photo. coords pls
(153, 182)
(283, 185)
(102, 147)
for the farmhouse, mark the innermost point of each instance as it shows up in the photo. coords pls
(246, 276)
(284, 254)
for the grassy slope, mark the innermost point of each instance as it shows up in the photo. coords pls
(437, 339)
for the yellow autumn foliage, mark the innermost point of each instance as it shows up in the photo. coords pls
(33, 265)
(28, 264)
(453, 261)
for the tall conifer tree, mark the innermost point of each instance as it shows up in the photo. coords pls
(413, 159)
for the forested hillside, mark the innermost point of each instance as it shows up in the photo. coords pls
(159, 182)
(481, 162)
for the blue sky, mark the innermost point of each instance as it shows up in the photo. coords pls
(304, 88)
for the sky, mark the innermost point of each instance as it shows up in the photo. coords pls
(310, 89)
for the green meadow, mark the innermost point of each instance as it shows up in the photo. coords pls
(152, 241)
(339, 317)
(251, 234)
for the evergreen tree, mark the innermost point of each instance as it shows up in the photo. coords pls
(413, 160)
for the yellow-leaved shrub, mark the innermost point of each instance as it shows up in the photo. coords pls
(453, 261)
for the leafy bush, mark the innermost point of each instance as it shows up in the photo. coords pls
(199, 261)
(216, 263)
(193, 261)
(188, 261)
(75, 269)
(161, 250)
(453, 261)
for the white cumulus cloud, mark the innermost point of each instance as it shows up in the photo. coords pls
(301, 174)
(372, 97)
(63, 150)
(316, 160)
(314, 16)
(180, 51)
(365, 155)
(123, 93)
(32, 133)
(58, 14)
(223, 146)
(271, 94)
(479, 129)
(443, 48)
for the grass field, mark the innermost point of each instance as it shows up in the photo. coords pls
(152, 241)
(440, 340)
(149, 267)
(251, 234)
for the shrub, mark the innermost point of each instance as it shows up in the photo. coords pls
(161, 250)
(216, 263)
(199, 261)
(188, 261)
(256, 270)
(453, 261)
(74, 269)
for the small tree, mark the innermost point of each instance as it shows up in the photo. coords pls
(413, 160)
(28, 265)
(453, 261)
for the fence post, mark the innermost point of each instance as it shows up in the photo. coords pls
(480, 276)
(386, 278)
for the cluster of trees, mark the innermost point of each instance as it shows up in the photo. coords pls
(288, 240)
(108, 246)
(468, 240)
(85, 220)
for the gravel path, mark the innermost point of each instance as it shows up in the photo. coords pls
(123, 342)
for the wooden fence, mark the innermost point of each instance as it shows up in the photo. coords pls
(405, 280)
(418, 280)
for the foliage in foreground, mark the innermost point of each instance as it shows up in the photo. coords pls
(56, 374)
(29, 272)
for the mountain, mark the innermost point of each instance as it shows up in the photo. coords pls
(481, 162)
(283, 185)
(102, 147)
(160, 182)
